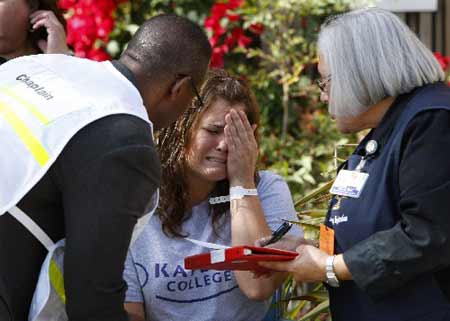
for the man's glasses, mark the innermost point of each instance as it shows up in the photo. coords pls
(323, 83)
(197, 94)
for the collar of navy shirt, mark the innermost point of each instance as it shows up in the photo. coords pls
(383, 131)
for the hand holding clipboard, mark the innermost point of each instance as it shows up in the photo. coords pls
(243, 258)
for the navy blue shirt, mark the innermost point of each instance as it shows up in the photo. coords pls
(420, 240)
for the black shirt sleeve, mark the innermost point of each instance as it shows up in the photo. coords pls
(419, 242)
(105, 188)
(93, 194)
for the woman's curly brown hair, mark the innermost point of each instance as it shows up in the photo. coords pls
(174, 140)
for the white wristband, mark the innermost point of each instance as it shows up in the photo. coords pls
(219, 199)
(238, 192)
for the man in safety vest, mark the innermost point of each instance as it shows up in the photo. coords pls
(77, 161)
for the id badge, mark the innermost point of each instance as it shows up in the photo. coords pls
(349, 183)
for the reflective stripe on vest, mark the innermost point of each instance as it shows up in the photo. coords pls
(57, 280)
(31, 108)
(43, 104)
(55, 274)
(30, 141)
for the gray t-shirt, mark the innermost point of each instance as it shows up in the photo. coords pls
(154, 269)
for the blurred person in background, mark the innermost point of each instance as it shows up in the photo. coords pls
(385, 249)
(29, 27)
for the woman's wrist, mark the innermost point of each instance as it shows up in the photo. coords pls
(245, 183)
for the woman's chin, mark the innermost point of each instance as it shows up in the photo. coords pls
(215, 175)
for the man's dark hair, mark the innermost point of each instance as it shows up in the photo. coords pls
(168, 45)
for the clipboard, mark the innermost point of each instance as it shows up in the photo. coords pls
(238, 258)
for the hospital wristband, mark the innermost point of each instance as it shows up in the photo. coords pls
(238, 192)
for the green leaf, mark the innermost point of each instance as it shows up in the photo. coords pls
(322, 307)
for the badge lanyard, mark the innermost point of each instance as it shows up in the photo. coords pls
(350, 183)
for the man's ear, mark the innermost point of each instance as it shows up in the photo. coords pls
(178, 85)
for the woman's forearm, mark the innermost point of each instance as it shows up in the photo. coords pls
(248, 224)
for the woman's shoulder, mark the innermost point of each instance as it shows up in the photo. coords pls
(152, 232)
(271, 184)
(267, 177)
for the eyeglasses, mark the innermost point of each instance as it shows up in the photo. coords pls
(323, 83)
(197, 94)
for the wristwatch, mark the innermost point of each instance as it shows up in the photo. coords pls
(331, 278)
(238, 192)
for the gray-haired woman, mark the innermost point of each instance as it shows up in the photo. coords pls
(388, 225)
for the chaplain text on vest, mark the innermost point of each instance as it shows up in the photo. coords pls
(34, 86)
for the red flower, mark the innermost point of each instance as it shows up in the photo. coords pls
(233, 17)
(98, 54)
(214, 40)
(210, 22)
(242, 39)
(256, 28)
(218, 10)
(444, 61)
(230, 41)
(217, 58)
(91, 20)
(234, 4)
(223, 40)
(104, 28)
(66, 4)
(80, 29)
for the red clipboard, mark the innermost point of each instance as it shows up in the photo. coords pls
(241, 258)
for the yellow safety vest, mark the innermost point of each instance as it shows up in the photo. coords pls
(44, 101)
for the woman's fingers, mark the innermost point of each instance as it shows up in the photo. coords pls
(247, 128)
(235, 126)
(241, 129)
(230, 133)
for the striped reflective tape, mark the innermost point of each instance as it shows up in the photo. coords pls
(31, 226)
(30, 107)
(57, 280)
(26, 136)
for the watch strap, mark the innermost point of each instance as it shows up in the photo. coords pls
(331, 278)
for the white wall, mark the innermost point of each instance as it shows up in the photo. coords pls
(408, 5)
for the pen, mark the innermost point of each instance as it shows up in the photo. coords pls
(279, 233)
